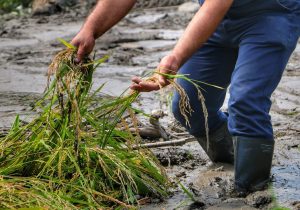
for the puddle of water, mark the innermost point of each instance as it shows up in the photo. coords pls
(287, 184)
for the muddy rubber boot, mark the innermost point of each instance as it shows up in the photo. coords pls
(253, 160)
(220, 145)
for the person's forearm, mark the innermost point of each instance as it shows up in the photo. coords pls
(106, 14)
(201, 28)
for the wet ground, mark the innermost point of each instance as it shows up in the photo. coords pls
(136, 45)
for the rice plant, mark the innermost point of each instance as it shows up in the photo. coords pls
(72, 155)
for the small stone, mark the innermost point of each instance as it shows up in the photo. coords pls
(180, 174)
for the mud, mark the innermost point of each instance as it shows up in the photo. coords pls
(136, 45)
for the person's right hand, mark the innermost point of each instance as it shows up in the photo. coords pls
(85, 42)
(168, 65)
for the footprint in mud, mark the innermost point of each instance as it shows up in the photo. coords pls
(213, 184)
(175, 156)
(216, 184)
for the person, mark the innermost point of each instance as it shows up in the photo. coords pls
(242, 43)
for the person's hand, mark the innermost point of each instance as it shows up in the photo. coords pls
(168, 65)
(85, 42)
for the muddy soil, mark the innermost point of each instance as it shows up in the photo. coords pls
(136, 45)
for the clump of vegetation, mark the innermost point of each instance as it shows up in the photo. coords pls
(79, 152)
(72, 155)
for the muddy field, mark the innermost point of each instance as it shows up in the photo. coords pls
(136, 44)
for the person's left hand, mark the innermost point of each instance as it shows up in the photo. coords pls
(168, 65)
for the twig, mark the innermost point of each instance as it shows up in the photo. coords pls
(178, 142)
(294, 129)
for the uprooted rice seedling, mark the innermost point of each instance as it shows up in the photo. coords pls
(72, 155)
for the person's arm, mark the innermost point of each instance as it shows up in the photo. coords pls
(198, 31)
(105, 15)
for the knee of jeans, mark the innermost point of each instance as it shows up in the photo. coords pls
(243, 101)
(196, 122)
(250, 93)
(249, 113)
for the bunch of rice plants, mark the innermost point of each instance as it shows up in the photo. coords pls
(72, 153)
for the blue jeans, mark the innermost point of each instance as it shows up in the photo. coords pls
(248, 51)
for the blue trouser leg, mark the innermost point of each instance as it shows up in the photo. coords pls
(211, 64)
(261, 60)
(264, 35)
(265, 46)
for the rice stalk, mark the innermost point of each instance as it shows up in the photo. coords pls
(184, 104)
